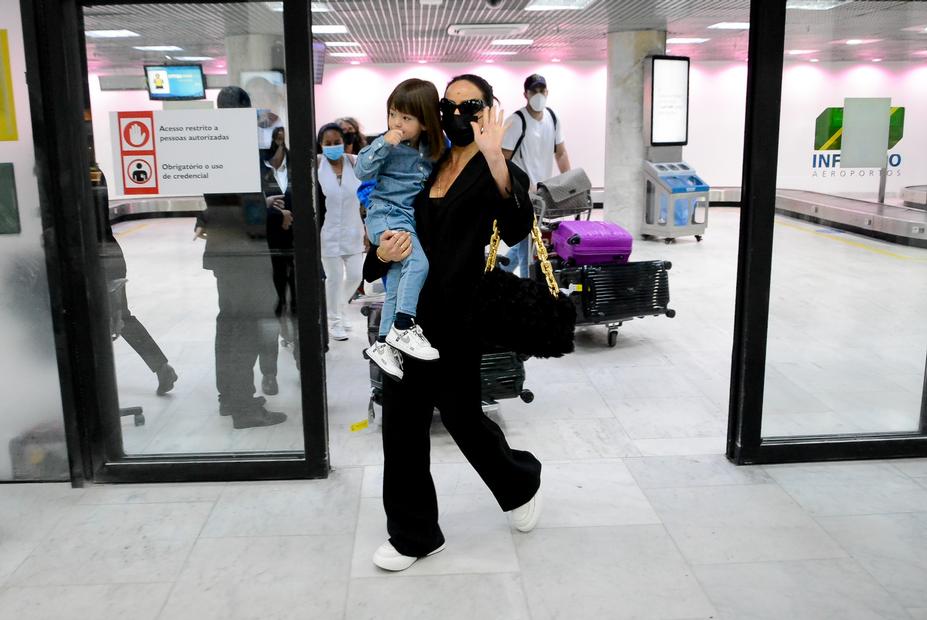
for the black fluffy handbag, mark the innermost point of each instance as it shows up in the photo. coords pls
(521, 314)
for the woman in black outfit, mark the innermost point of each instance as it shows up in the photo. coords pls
(471, 186)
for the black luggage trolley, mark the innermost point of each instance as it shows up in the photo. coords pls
(612, 294)
(502, 374)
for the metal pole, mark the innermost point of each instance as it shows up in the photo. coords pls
(883, 175)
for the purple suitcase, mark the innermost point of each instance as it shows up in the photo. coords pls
(584, 242)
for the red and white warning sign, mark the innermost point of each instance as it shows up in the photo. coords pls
(186, 152)
(137, 153)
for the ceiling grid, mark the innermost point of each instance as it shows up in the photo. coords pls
(406, 31)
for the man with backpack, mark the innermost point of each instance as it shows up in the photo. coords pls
(533, 141)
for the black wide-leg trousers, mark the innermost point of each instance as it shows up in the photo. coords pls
(452, 384)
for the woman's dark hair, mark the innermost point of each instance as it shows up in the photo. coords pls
(325, 128)
(272, 149)
(359, 137)
(419, 98)
(233, 97)
(477, 81)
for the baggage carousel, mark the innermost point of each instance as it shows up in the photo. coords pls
(123, 209)
(915, 196)
(902, 224)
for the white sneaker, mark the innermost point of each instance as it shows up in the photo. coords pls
(526, 516)
(337, 332)
(386, 357)
(412, 342)
(387, 558)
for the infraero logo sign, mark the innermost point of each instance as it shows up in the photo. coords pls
(828, 133)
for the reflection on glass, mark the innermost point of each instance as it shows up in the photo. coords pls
(847, 338)
(202, 289)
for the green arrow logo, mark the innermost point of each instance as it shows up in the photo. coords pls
(828, 128)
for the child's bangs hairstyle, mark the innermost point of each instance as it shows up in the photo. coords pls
(419, 98)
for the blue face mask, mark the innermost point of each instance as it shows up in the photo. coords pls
(334, 152)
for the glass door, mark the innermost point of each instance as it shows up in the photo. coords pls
(202, 366)
(832, 341)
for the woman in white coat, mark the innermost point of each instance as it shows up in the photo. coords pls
(342, 230)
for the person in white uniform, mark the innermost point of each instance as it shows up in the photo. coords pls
(533, 141)
(342, 233)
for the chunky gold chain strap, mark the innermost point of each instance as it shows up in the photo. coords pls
(541, 250)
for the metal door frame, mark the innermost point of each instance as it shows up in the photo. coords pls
(745, 444)
(58, 95)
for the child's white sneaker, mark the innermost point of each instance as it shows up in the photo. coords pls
(386, 357)
(412, 342)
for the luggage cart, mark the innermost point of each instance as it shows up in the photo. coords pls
(568, 195)
(502, 374)
(565, 195)
(612, 294)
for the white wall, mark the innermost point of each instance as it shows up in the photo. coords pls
(28, 370)
(717, 105)
(809, 88)
(577, 94)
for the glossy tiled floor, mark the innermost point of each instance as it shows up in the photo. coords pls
(649, 537)
(847, 346)
(644, 519)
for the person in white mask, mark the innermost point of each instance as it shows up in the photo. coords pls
(533, 141)
(342, 230)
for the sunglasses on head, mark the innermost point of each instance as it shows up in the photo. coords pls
(470, 107)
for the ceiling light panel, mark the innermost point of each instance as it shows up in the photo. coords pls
(558, 5)
(110, 34)
(329, 29)
(686, 40)
(731, 26)
(513, 42)
(815, 5)
(315, 7)
(486, 30)
(158, 48)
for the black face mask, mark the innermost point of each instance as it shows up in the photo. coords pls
(458, 129)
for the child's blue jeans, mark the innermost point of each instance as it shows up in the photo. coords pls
(406, 278)
(519, 256)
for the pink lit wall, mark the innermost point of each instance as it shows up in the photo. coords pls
(717, 95)
(577, 96)
(810, 88)
(717, 103)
